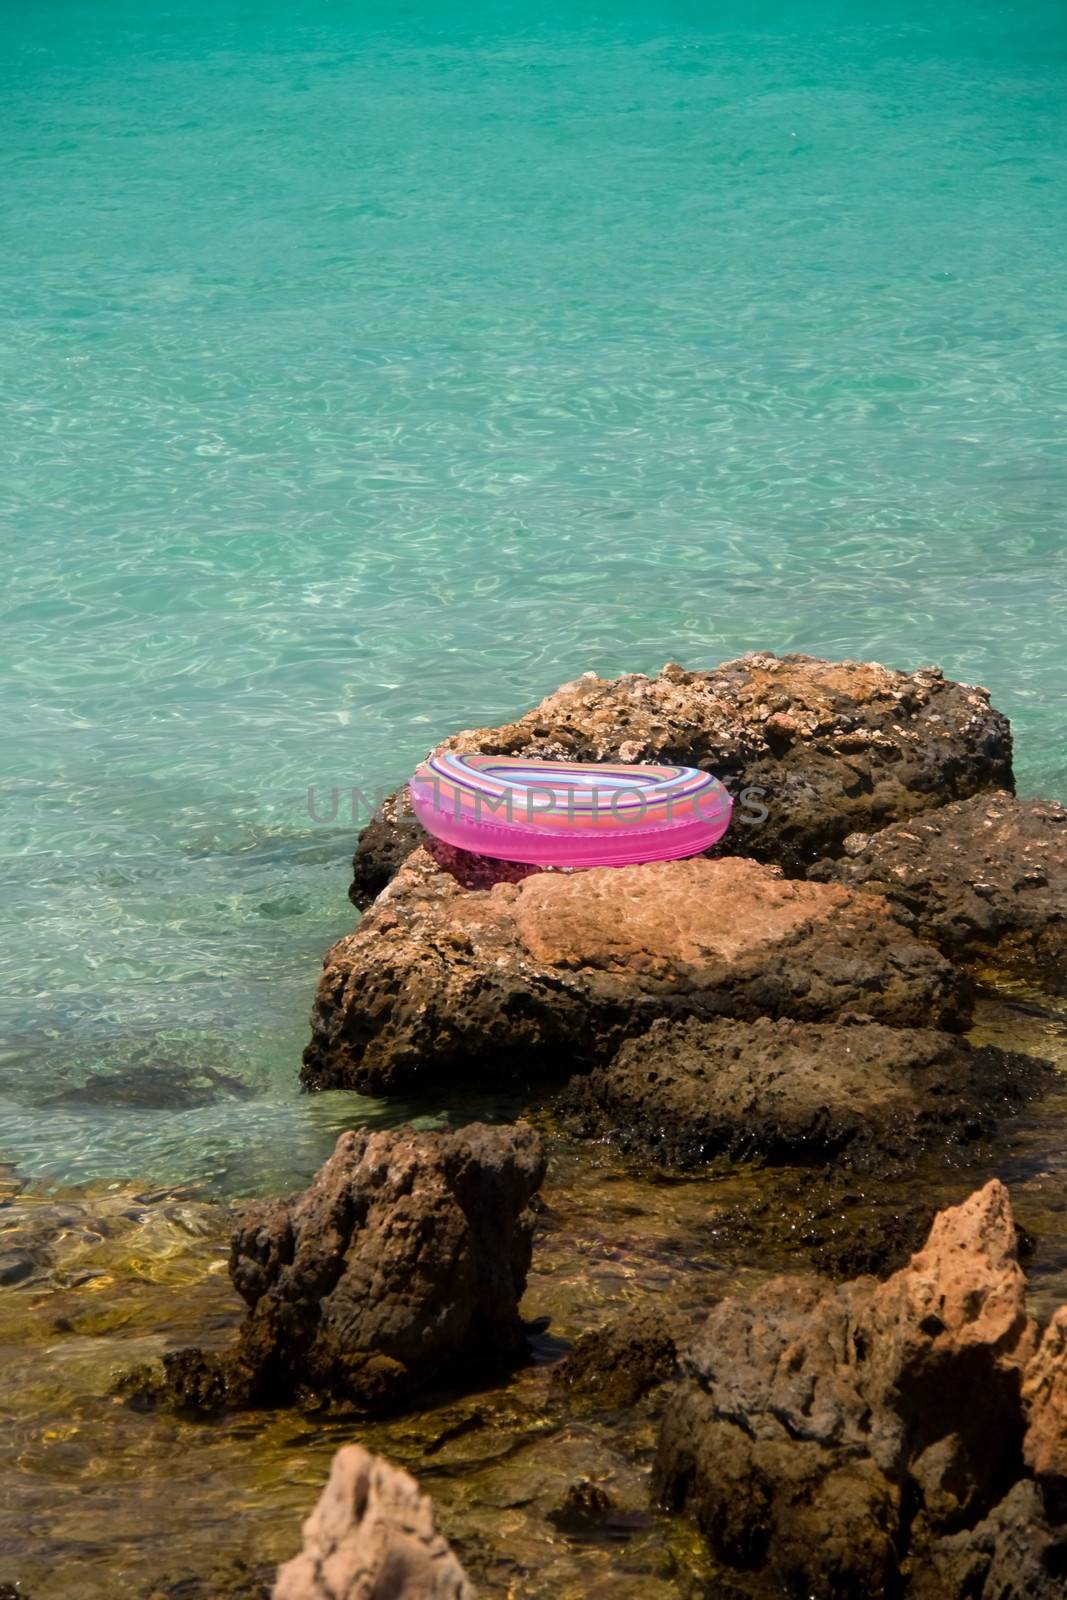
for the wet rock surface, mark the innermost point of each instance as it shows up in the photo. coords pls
(869, 1438)
(229, 1580)
(984, 878)
(842, 1224)
(372, 1535)
(402, 1264)
(619, 1364)
(584, 1506)
(516, 1467)
(777, 1090)
(835, 747)
(440, 984)
(216, 1508)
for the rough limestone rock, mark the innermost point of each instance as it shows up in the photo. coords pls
(835, 747)
(1045, 1400)
(686, 1092)
(985, 879)
(403, 1263)
(372, 1536)
(439, 983)
(818, 1426)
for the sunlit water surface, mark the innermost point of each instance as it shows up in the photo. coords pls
(369, 371)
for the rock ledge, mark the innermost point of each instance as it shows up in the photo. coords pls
(539, 978)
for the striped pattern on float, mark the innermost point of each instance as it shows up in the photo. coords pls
(568, 813)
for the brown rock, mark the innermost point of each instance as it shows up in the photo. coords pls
(822, 1217)
(686, 1092)
(403, 1263)
(833, 747)
(1012, 1554)
(810, 1416)
(985, 879)
(616, 1366)
(550, 974)
(585, 1506)
(1045, 1400)
(372, 1536)
(810, 1521)
(947, 1339)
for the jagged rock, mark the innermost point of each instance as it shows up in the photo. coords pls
(616, 1366)
(1045, 1400)
(685, 1092)
(1013, 1554)
(814, 1420)
(834, 747)
(403, 1263)
(372, 1536)
(382, 847)
(440, 984)
(984, 878)
(947, 1339)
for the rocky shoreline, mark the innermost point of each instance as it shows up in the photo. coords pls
(722, 1009)
(904, 1437)
(907, 1437)
(798, 1019)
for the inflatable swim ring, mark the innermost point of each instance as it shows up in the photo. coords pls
(568, 814)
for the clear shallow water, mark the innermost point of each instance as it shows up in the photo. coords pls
(369, 374)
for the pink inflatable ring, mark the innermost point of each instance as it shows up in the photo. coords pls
(568, 814)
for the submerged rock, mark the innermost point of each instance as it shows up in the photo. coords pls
(155, 1086)
(827, 1218)
(229, 1580)
(616, 1366)
(868, 1438)
(440, 984)
(686, 1092)
(402, 1264)
(585, 1507)
(16, 1266)
(372, 1536)
(831, 748)
(983, 878)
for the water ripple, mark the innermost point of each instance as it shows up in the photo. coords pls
(368, 378)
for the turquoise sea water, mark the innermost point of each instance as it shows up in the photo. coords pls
(369, 371)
